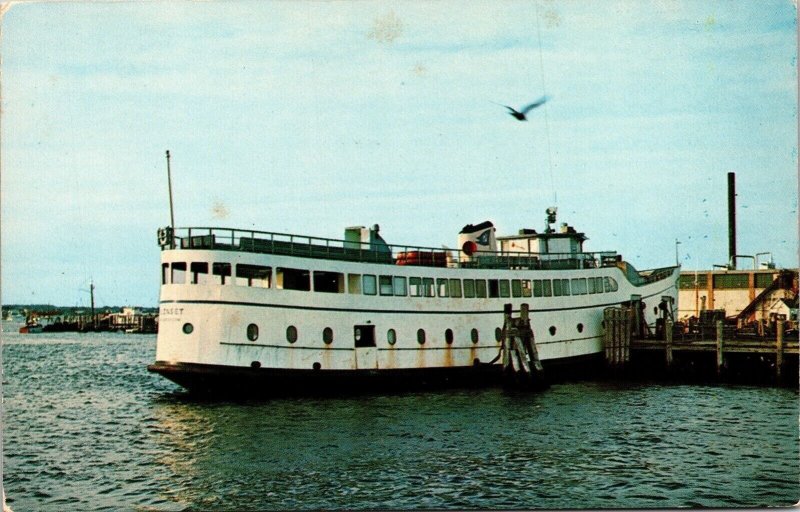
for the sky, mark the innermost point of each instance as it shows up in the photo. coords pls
(306, 117)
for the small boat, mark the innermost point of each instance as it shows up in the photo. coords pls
(32, 326)
(249, 311)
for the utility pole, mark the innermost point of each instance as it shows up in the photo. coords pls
(91, 298)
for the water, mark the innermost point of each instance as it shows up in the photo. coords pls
(88, 428)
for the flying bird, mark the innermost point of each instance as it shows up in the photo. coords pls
(520, 114)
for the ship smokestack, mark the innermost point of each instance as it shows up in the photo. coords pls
(732, 220)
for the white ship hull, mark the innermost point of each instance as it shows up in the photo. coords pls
(325, 339)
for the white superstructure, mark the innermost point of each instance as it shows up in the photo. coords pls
(273, 313)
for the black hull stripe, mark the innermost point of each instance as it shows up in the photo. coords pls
(393, 311)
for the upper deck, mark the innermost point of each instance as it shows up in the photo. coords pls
(377, 251)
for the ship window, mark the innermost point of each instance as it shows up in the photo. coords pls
(469, 288)
(546, 290)
(400, 286)
(364, 336)
(579, 286)
(252, 332)
(498, 334)
(199, 270)
(505, 288)
(256, 275)
(557, 287)
(178, 273)
(328, 282)
(391, 337)
(421, 336)
(291, 278)
(441, 284)
(427, 285)
(385, 283)
(474, 335)
(611, 284)
(188, 328)
(455, 287)
(415, 286)
(164, 272)
(291, 334)
(590, 284)
(580, 327)
(480, 288)
(494, 289)
(327, 335)
(516, 288)
(537, 287)
(221, 272)
(526, 288)
(369, 285)
(552, 330)
(598, 285)
(354, 283)
(448, 336)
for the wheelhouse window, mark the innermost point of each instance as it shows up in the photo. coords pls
(221, 272)
(291, 278)
(455, 288)
(369, 285)
(164, 273)
(254, 275)
(199, 272)
(590, 285)
(385, 284)
(400, 288)
(178, 273)
(328, 282)
(611, 284)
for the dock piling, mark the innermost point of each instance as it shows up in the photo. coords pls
(720, 355)
(521, 364)
(779, 350)
(668, 334)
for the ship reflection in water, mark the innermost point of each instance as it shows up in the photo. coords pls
(87, 426)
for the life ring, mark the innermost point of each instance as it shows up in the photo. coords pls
(469, 247)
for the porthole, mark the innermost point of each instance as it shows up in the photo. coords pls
(448, 336)
(655, 310)
(603, 324)
(474, 335)
(498, 334)
(316, 366)
(188, 328)
(291, 334)
(552, 330)
(421, 336)
(391, 337)
(252, 332)
(255, 364)
(580, 327)
(327, 335)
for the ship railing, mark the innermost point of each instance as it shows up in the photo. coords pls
(229, 239)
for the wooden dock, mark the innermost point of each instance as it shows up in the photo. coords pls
(727, 356)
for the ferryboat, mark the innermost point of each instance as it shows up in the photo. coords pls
(248, 311)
